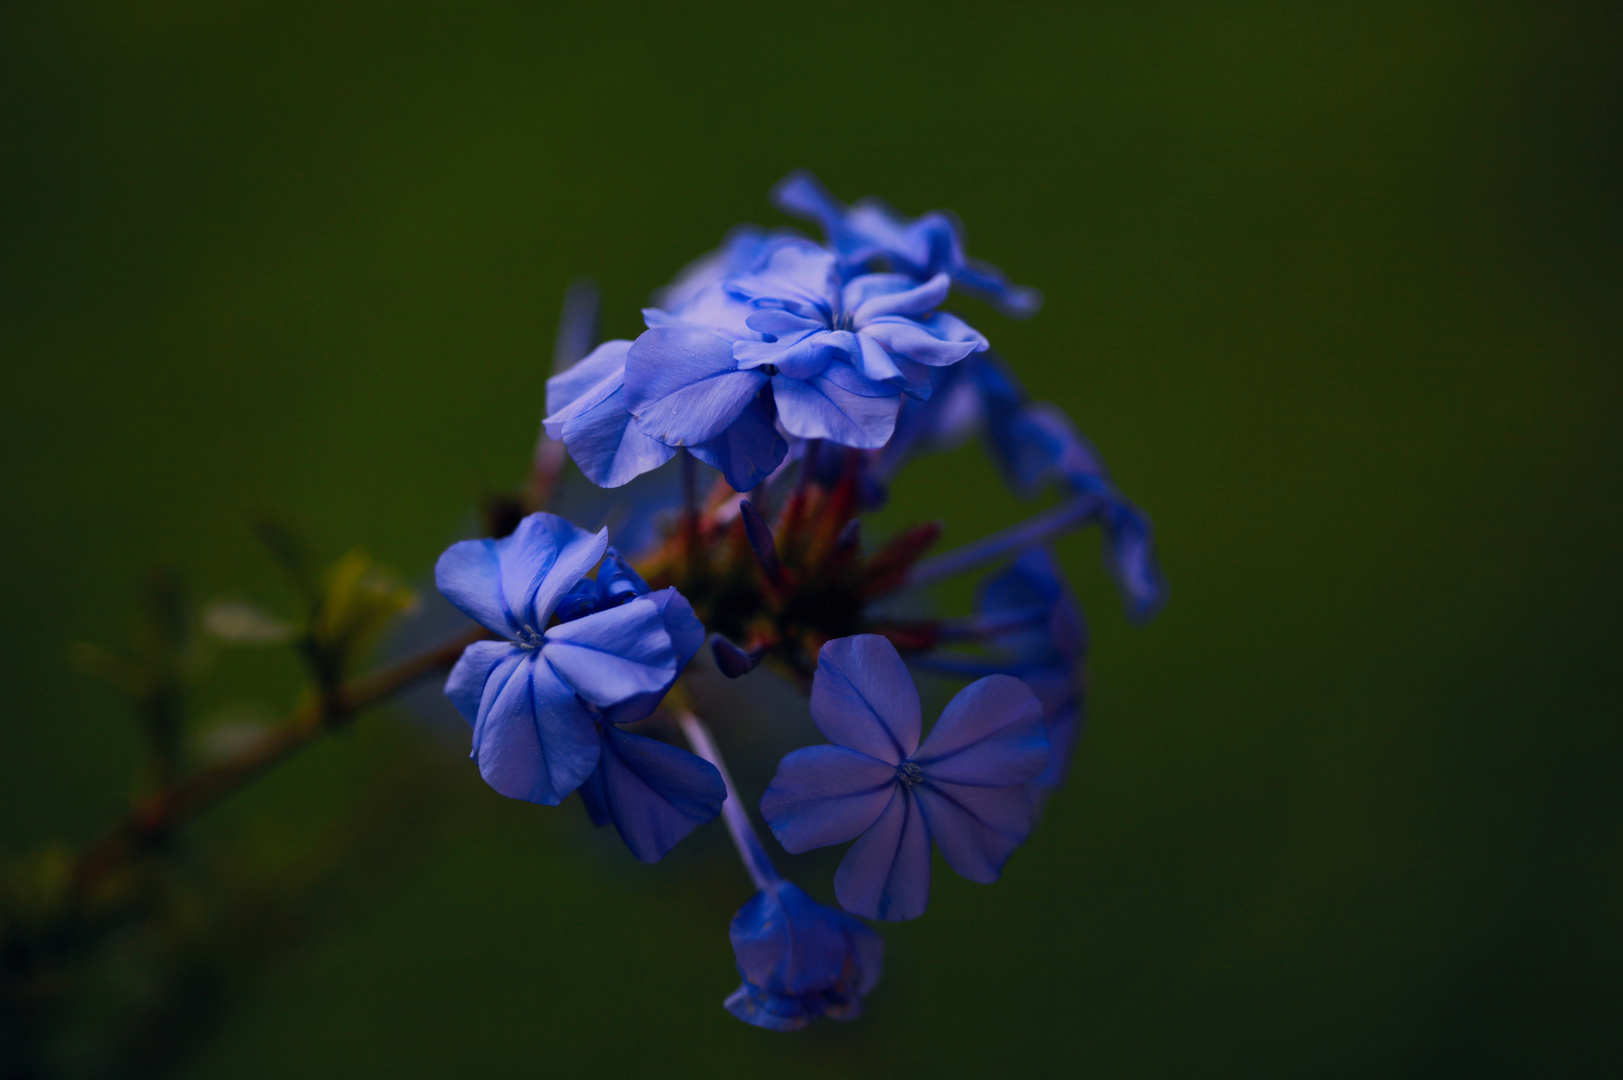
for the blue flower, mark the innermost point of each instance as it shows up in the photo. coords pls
(589, 413)
(741, 251)
(800, 960)
(653, 792)
(765, 335)
(1038, 632)
(1035, 445)
(965, 787)
(870, 232)
(836, 355)
(536, 698)
(883, 325)
(586, 411)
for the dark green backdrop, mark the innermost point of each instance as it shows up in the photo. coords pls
(1335, 287)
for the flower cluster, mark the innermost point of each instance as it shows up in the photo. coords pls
(807, 374)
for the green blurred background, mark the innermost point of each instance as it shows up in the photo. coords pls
(1334, 287)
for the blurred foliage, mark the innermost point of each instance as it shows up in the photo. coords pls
(116, 960)
(355, 607)
(130, 992)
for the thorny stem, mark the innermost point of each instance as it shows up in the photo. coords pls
(745, 838)
(1071, 514)
(169, 808)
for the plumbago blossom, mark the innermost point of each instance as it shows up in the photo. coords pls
(807, 373)
(964, 788)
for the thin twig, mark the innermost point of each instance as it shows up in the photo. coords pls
(167, 809)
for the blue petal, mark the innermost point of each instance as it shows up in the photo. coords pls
(1074, 458)
(847, 378)
(922, 247)
(876, 363)
(534, 740)
(750, 450)
(1033, 581)
(683, 385)
(773, 1012)
(1129, 552)
(740, 251)
(543, 558)
(874, 295)
(976, 828)
(687, 635)
(799, 357)
(863, 698)
(779, 323)
(496, 683)
(988, 282)
(569, 387)
(605, 441)
(932, 345)
(820, 409)
(1064, 727)
(515, 581)
(925, 245)
(614, 655)
(618, 580)
(713, 309)
(886, 873)
(469, 574)
(800, 960)
(581, 600)
(916, 381)
(990, 734)
(798, 276)
(789, 944)
(655, 793)
(465, 686)
(824, 795)
(592, 796)
(801, 194)
(685, 629)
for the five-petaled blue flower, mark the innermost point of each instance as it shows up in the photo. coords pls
(800, 960)
(538, 698)
(870, 231)
(965, 787)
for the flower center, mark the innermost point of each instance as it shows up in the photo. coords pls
(908, 774)
(530, 638)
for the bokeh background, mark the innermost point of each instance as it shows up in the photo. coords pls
(1335, 287)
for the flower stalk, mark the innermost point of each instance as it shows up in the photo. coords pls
(745, 839)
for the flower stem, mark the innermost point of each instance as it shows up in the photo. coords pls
(990, 625)
(172, 806)
(1056, 521)
(745, 838)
